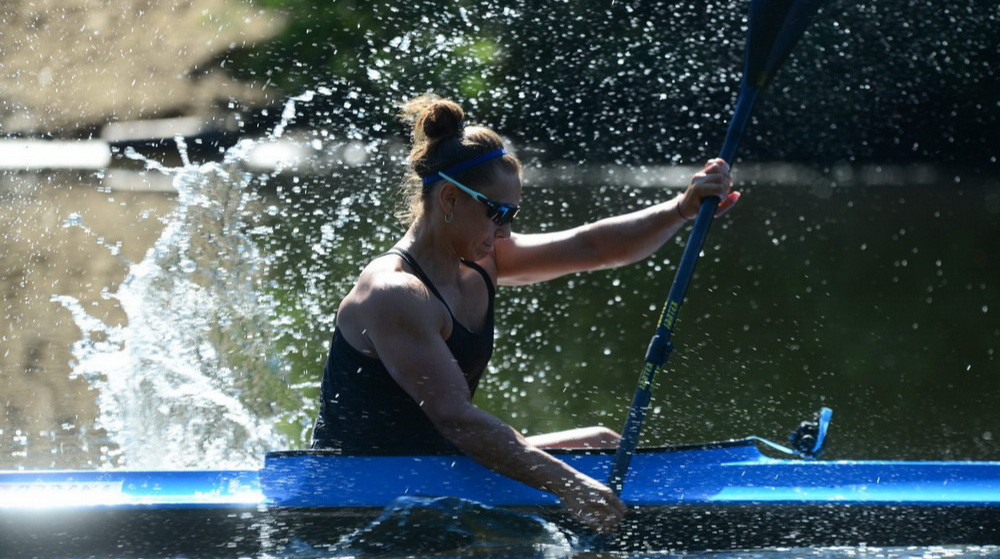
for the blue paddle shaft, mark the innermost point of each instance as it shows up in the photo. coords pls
(660, 346)
(745, 103)
(773, 29)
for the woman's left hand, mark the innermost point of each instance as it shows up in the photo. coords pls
(712, 180)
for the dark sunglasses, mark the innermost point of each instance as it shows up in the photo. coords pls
(499, 212)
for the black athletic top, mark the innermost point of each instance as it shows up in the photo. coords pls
(364, 411)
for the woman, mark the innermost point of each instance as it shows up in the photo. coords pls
(416, 332)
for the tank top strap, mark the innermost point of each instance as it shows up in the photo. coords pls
(412, 262)
(486, 277)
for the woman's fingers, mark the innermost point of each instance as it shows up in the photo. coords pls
(605, 515)
(713, 180)
(719, 163)
(595, 505)
(727, 203)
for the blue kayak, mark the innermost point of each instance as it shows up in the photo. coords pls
(723, 495)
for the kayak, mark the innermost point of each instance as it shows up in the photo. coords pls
(722, 495)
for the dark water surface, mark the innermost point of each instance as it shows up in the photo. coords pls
(877, 302)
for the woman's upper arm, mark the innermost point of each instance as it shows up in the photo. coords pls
(529, 258)
(405, 331)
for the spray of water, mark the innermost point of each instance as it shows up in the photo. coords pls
(194, 379)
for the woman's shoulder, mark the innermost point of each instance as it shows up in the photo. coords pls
(387, 301)
(487, 265)
(385, 289)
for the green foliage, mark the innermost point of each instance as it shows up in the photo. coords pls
(384, 48)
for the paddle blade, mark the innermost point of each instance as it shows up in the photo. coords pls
(775, 26)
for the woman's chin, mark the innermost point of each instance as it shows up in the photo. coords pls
(482, 251)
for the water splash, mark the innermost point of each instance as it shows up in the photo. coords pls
(194, 378)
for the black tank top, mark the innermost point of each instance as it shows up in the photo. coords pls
(362, 408)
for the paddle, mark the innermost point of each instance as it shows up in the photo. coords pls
(773, 29)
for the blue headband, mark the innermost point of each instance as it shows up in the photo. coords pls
(434, 177)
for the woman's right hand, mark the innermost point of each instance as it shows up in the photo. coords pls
(593, 503)
(712, 180)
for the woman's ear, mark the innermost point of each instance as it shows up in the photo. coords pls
(447, 198)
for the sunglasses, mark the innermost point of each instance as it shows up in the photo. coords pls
(499, 212)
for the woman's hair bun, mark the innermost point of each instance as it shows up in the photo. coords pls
(433, 118)
(440, 141)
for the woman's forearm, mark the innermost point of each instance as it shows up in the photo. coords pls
(631, 237)
(498, 446)
(628, 238)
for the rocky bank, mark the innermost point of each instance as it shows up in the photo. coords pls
(70, 66)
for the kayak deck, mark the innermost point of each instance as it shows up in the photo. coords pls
(41, 490)
(726, 473)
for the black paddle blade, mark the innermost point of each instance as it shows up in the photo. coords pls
(774, 28)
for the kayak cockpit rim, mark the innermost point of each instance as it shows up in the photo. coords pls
(749, 442)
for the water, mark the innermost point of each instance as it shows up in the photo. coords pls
(863, 552)
(839, 552)
(203, 344)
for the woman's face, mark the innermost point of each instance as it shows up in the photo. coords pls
(476, 233)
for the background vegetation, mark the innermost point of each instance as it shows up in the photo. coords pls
(639, 82)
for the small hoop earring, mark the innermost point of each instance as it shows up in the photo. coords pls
(448, 218)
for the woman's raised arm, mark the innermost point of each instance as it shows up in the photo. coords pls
(610, 242)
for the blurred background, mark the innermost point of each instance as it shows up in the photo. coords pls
(189, 188)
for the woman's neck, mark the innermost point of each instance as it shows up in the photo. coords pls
(435, 254)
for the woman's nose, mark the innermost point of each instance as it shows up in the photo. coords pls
(503, 231)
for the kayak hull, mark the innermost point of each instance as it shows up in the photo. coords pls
(713, 474)
(716, 496)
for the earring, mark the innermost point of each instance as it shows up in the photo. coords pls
(448, 218)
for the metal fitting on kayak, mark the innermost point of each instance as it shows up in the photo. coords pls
(808, 440)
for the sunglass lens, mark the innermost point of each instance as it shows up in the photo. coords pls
(504, 214)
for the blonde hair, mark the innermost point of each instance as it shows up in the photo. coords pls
(439, 140)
